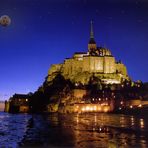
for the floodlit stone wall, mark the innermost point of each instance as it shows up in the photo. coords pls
(54, 68)
(109, 64)
(77, 67)
(121, 68)
(93, 64)
(79, 93)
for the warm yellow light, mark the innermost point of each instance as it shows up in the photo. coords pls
(83, 109)
(131, 106)
(105, 109)
(141, 123)
(91, 109)
(76, 109)
(76, 84)
(139, 105)
(95, 107)
(132, 121)
(26, 100)
(87, 108)
(99, 108)
(121, 102)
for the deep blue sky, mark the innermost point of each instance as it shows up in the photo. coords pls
(44, 32)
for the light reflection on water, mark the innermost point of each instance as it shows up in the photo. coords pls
(91, 130)
(141, 123)
(74, 130)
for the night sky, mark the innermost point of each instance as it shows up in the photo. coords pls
(44, 32)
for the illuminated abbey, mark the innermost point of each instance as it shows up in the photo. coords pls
(98, 83)
(98, 61)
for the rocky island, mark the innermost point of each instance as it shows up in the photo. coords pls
(91, 81)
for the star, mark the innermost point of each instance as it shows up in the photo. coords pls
(110, 18)
(24, 27)
(14, 8)
(122, 11)
(97, 11)
(67, 6)
(40, 17)
(49, 12)
(72, 22)
(84, 2)
(140, 20)
(137, 2)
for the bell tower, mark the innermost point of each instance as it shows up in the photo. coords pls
(92, 46)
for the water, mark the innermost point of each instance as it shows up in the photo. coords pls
(12, 129)
(73, 130)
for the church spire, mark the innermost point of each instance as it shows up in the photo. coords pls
(91, 30)
(92, 44)
(92, 40)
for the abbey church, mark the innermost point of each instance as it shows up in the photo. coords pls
(97, 61)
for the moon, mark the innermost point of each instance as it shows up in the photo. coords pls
(5, 20)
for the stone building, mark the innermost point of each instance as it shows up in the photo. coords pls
(18, 103)
(97, 61)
